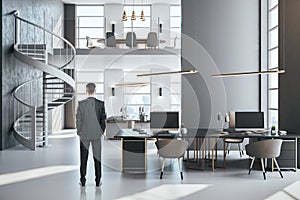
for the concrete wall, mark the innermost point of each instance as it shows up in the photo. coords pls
(70, 23)
(15, 72)
(219, 37)
(289, 96)
(289, 93)
(1, 75)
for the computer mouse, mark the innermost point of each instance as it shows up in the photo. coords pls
(282, 132)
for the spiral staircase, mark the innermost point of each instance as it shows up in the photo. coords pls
(53, 57)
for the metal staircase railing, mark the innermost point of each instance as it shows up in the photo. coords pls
(54, 59)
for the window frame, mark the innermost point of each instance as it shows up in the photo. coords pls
(270, 51)
(175, 27)
(78, 26)
(98, 91)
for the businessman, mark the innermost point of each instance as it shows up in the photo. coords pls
(90, 122)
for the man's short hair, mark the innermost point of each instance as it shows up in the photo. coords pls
(90, 88)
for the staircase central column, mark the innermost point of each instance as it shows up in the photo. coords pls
(45, 111)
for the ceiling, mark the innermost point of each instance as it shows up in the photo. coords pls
(120, 1)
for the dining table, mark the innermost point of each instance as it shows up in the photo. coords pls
(123, 41)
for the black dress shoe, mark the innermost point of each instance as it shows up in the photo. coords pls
(82, 184)
(98, 183)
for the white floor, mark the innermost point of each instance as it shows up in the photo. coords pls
(52, 173)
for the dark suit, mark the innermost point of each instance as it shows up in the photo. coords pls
(90, 122)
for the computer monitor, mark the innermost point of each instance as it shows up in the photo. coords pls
(164, 120)
(249, 120)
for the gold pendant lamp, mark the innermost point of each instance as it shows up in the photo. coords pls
(142, 13)
(133, 13)
(124, 16)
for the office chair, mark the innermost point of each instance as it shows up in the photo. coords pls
(264, 149)
(237, 141)
(110, 39)
(171, 148)
(174, 44)
(89, 43)
(131, 40)
(152, 40)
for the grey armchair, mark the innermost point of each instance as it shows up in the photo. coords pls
(152, 40)
(110, 39)
(171, 148)
(131, 40)
(264, 149)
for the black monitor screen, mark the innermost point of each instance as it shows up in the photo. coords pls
(164, 120)
(249, 120)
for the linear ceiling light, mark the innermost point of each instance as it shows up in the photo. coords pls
(280, 71)
(192, 71)
(131, 85)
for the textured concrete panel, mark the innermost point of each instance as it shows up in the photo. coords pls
(15, 72)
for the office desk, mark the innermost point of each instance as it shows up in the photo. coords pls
(134, 145)
(113, 126)
(289, 137)
(204, 140)
(211, 136)
(134, 148)
(134, 156)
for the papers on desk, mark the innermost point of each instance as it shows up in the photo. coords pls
(134, 133)
(218, 134)
(260, 131)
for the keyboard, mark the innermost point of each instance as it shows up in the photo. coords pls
(161, 133)
(260, 131)
(164, 134)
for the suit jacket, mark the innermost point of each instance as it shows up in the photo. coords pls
(90, 119)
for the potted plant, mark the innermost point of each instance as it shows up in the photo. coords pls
(273, 130)
(183, 130)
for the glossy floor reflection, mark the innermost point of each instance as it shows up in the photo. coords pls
(167, 191)
(58, 176)
(26, 175)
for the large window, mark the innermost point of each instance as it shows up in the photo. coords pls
(89, 22)
(273, 62)
(175, 25)
(136, 97)
(85, 77)
(175, 92)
